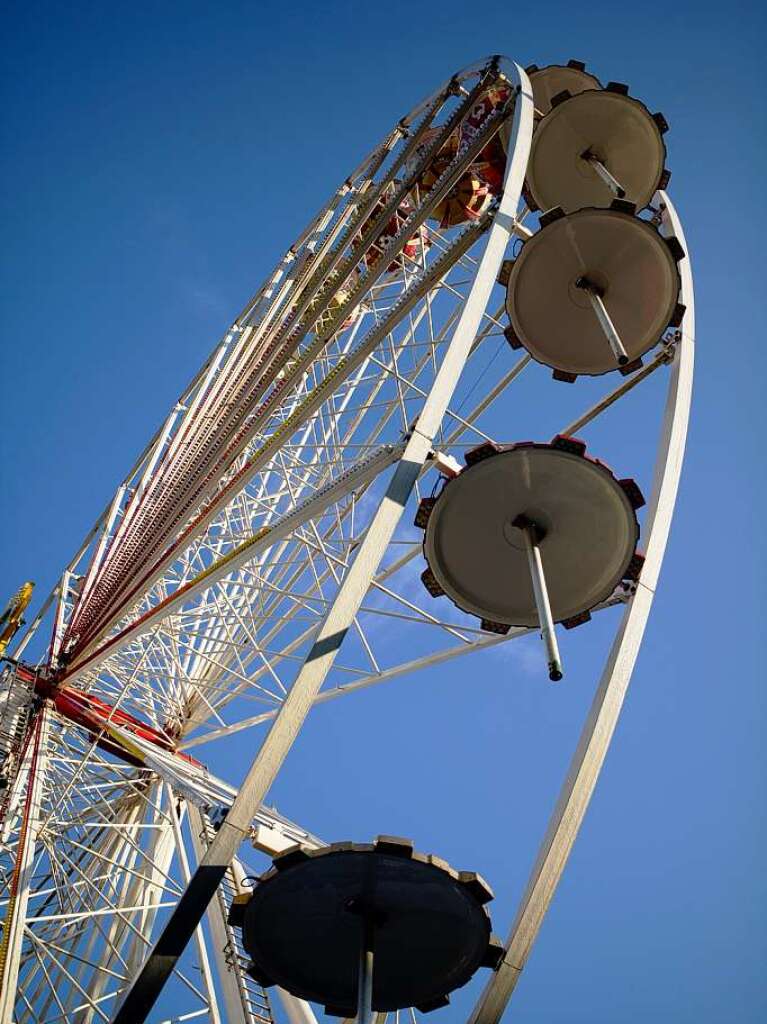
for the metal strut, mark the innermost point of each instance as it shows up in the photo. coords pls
(605, 320)
(532, 537)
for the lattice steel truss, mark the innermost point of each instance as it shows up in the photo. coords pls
(196, 598)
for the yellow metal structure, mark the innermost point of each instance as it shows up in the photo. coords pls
(13, 616)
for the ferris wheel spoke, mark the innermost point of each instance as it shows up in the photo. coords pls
(112, 862)
(233, 674)
(229, 564)
(337, 690)
(73, 965)
(446, 182)
(241, 628)
(56, 960)
(94, 964)
(388, 592)
(315, 399)
(68, 954)
(89, 921)
(477, 640)
(330, 560)
(421, 393)
(131, 928)
(46, 981)
(509, 377)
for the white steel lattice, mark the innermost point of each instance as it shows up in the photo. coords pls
(193, 603)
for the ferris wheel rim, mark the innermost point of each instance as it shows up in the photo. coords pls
(594, 742)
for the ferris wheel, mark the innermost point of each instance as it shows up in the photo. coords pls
(334, 502)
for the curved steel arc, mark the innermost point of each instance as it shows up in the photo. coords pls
(598, 729)
(177, 932)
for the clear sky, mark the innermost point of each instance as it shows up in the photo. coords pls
(157, 160)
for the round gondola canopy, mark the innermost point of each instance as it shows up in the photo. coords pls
(554, 79)
(612, 128)
(623, 258)
(585, 521)
(303, 927)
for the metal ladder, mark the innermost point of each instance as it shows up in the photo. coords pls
(255, 1001)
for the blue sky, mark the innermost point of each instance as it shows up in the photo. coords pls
(158, 158)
